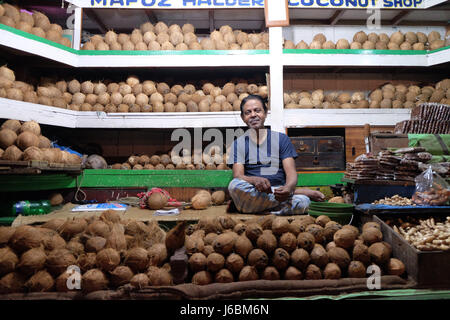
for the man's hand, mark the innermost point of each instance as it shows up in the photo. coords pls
(261, 184)
(317, 196)
(282, 193)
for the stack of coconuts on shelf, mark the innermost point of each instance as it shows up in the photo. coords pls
(209, 161)
(112, 252)
(36, 23)
(373, 41)
(24, 142)
(130, 95)
(174, 37)
(386, 97)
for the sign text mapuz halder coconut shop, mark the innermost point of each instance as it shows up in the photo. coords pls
(211, 4)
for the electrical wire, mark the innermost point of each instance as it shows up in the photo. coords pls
(78, 186)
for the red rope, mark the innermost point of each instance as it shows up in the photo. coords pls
(144, 196)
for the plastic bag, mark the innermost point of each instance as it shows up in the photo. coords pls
(431, 189)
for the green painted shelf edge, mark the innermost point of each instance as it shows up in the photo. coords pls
(214, 52)
(109, 178)
(127, 52)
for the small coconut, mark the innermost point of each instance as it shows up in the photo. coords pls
(355, 45)
(319, 256)
(344, 238)
(59, 260)
(215, 262)
(11, 124)
(405, 46)
(368, 45)
(300, 258)
(433, 36)
(320, 37)
(234, 263)
(25, 238)
(11, 11)
(395, 267)
(315, 45)
(313, 272)
(32, 153)
(248, 273)
(12, 153)
(422, 37)
(9, 261)
(379, 253)
(436, 44)
(157, 254)
(372, 235)
(197, 262)
(328, 45)
(267, 242)
(224, 276)
(12, 283)
(332, 271)
(202, 278)
(73, 227)
(360, 37)
(288, 241)
(7, 137)
(139, 281)
(306, 241)
(107, 259)
(270, 273)
(5, 234)
(94, 280)
(356, 270)
(157, 201)
(243, 245)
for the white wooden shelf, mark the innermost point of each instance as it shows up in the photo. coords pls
(344, 117)
(24, 111)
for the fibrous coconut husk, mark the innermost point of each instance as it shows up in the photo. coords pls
(73, 227)
(107, 259)
(5, 234)
(75, 247)
(95, 244)
(157, 254)
(116, 238)
(27, 139)
(12, 283)
(121, 275)
(53, 241)
(8, 260)
(110, 216)
(25, 238)
(139, 281)
(42, 281)
(32, 261)
(159, 276)
(59, 260)
(137, 259)
(87, 261)
(7, 138)
(248, 273)
(12, 124)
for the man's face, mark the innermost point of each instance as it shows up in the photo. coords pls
(254, 114)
